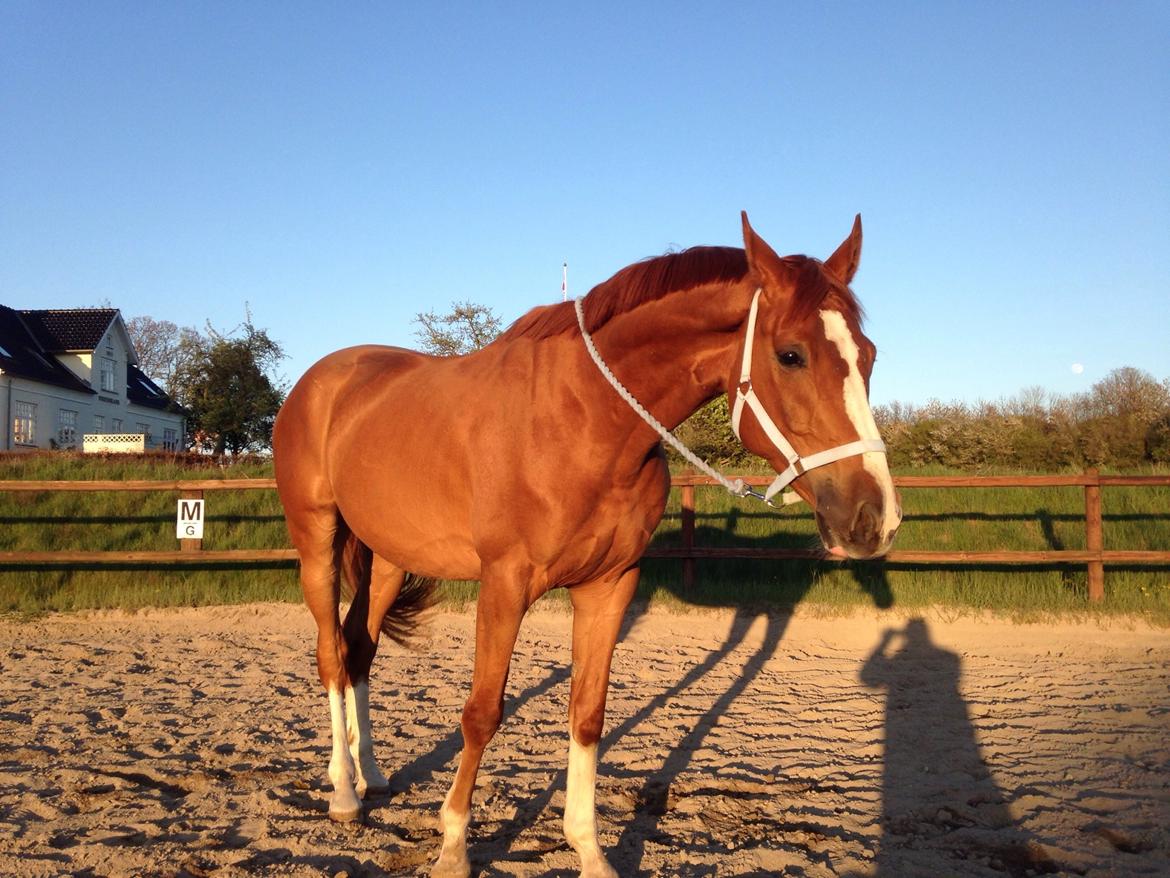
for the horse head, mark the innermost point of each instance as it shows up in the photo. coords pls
(800, 394)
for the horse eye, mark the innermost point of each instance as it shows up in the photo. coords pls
(791, 359)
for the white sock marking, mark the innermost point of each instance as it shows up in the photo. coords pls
(581, 811)
(453, 854)
(361, 741)
(341, 769)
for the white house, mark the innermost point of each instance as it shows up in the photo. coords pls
(68, 373)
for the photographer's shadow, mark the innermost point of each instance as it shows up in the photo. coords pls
(939, 799)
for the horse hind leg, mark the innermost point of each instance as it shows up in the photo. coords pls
(319, 537)
(363, 628)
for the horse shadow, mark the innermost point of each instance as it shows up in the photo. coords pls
(955, 806)
(651, 799)
(792, 581)
(925, 714)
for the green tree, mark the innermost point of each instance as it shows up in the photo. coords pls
(708, 433)
(228, 384)
(468, 327)
(1158, 440)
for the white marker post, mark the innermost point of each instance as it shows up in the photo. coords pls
(189, 523)
(565, 282)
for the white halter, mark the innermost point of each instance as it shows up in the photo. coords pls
(797, 465)
(744, 393)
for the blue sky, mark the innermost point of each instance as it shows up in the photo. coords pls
(340, 168)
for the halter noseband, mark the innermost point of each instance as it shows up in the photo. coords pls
(744, 393)
(797, 465)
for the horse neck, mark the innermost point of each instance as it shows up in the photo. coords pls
(675, 354)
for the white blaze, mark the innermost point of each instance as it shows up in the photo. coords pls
(860, 414)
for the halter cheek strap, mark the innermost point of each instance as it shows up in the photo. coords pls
(745, 395)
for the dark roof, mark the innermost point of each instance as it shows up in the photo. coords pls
(22, 354)
(142, 391)
(28, 340)
(74, 329)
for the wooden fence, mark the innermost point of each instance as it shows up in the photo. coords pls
(189, 550)
(1094, 556)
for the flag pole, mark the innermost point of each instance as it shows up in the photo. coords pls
(565, 282)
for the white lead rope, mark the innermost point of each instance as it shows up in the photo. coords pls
(736, 487)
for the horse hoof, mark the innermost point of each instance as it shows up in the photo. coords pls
(375, 789)
(345, 815)
(450, 867)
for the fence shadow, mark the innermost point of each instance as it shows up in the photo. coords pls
(939, 798)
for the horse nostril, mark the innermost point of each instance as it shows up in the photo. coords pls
(867, 522)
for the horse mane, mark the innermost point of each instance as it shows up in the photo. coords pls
(658, 276)
(635, 285)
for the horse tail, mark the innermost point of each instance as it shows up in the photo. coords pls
(357, 565)
(415, 597)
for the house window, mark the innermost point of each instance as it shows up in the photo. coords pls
(170, 439)
(116, 425)
(107, 374)
(144, 429)
(24, 423)
(67, 427)
(99, 423)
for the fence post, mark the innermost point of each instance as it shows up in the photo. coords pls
(688, 536)
(1094, 537)
(191, 545)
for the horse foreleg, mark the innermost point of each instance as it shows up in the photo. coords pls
(598, 609)
(363, 627)
(501, 608)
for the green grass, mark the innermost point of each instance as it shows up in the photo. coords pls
(971, 519)
(135, 521)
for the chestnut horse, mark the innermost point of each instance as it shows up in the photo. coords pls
(521, 467)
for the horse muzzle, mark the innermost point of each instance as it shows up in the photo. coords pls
(861, 530)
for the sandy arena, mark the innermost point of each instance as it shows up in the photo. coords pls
(193, 742)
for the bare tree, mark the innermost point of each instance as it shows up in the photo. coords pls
(164, 349)
(1129, 393)
(156, 342)
(468, 327)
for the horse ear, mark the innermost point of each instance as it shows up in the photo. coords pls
(847, 257)
(761, 258)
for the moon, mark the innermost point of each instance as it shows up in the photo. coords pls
(1077, 368)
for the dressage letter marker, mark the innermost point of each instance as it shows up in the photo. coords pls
(190, 521)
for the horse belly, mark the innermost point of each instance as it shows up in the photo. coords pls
(391, 503)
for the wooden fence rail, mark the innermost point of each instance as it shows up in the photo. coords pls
(190, 551)
(1094, 556)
